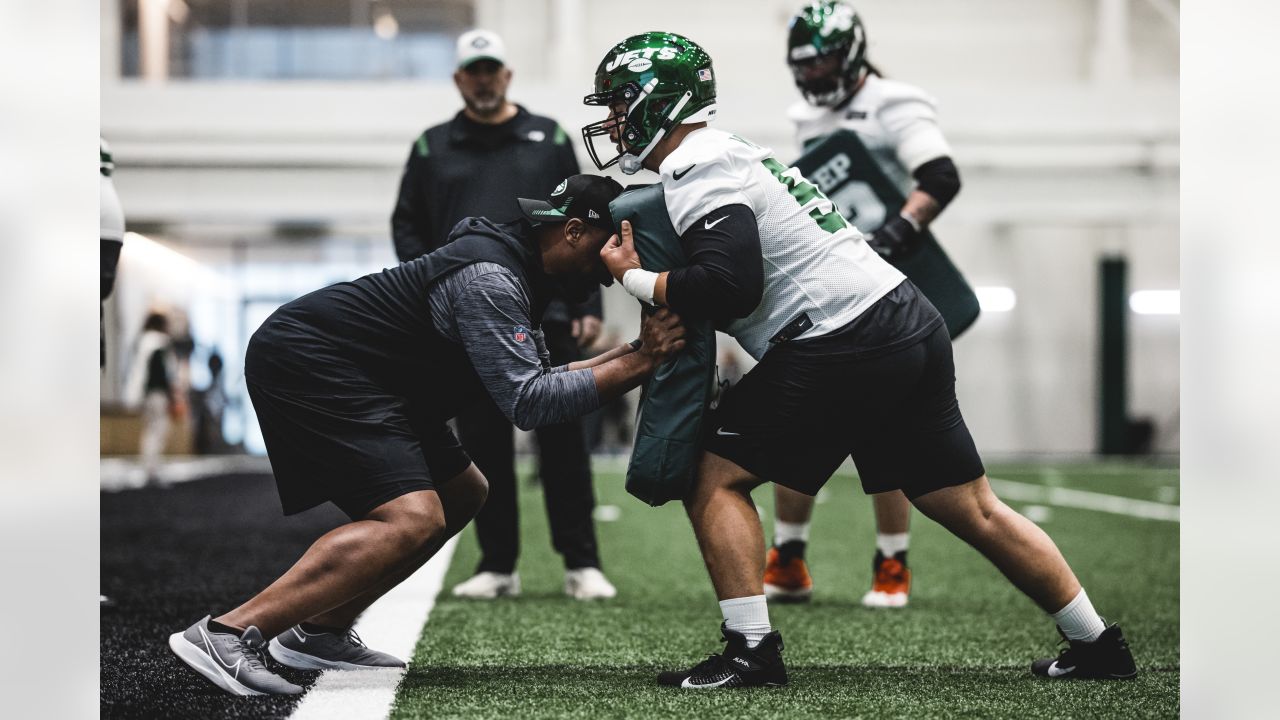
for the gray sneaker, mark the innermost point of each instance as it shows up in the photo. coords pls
(302, 650)
(234, 664)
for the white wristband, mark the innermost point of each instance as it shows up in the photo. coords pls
(640, 283)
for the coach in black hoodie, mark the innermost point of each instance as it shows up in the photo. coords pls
(353, 385)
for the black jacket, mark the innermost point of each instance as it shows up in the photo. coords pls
(462, 168)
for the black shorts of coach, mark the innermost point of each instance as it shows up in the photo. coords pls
(352, 443)
(809, 404)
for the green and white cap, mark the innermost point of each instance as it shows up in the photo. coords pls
(585, 197)
(481, 45)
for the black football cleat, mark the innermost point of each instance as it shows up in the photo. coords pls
(1107, 658)
(737, 667)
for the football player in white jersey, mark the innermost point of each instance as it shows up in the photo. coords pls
(110, 234)
(897, 122)
(854, 361)
(110, 240)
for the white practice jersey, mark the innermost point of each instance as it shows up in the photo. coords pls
(110, 214)
(815, 262)
(897, 122)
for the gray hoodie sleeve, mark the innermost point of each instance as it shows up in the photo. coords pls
(490, 317)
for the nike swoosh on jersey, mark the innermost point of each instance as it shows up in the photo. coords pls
(1055, 671)
(689, 684)
(709, 224)
(681, 173)
(721, 431)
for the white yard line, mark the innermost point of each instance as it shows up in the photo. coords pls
(1084, 500)
(127, 473)
(392, 625)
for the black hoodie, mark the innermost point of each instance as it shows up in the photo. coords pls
(376, 334)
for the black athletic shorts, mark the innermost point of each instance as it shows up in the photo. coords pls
(808, 405)
(356, 446)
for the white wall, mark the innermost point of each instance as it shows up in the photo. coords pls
(1064, 157)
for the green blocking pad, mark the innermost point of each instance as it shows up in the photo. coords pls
(673, 401)
(844, 170)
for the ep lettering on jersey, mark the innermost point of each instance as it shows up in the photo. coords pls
(640, 60)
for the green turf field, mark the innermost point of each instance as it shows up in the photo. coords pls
(961, 649)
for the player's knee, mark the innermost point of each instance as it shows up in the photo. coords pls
(415, 526)
(421, 531)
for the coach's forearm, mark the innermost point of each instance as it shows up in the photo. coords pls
(615, 377)
(602, 358)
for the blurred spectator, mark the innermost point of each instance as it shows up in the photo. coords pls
(209, 406)
(153, 382)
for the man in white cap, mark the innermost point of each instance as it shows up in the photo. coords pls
(476, 164)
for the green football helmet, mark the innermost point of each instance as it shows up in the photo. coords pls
(663, 80)
(826, 51)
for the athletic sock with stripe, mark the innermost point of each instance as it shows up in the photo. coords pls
(1078, 620)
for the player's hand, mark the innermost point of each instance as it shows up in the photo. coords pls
(661, 336)
(586, 329)
(895, 239)
(619, 252)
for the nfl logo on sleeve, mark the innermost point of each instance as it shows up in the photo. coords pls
(521, 332)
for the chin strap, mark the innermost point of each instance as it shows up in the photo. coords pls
(632, 164)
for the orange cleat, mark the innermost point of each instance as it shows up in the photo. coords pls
(891, 582)
(786, 580)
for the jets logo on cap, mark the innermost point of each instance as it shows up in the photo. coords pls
(480, 43)
(559, 188)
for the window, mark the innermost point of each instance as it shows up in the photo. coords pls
(291, 39)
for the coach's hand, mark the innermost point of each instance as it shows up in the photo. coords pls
(619, 253)
(896, 239)
(661, 336)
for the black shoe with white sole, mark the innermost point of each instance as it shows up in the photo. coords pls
(1107, 658)
(738, 666)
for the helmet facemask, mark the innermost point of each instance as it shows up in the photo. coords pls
(824, 79)
(826, 51)
(614, 126)
(647, 119)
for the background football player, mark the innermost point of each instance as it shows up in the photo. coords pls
(897, 122)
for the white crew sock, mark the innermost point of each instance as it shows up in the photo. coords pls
(1078, 620)
(747, 615)
(785, 532)
(892, 543)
